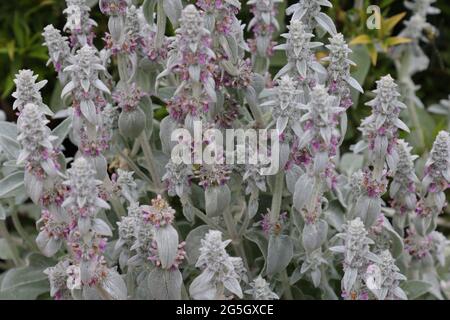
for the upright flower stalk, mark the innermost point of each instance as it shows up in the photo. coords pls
(192, 60)
(79, 25)
(263, 25)
(87, 93)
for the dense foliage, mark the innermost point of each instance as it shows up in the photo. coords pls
(93, 204)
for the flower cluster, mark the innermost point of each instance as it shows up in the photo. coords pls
(387, 286)
(38, 152)
(159, 213)
(260, 290)
(85, 86)
(128, 220)
(302, 64)
(223, 11)
(28, 91)
(381, 128)
(219, 274)
(402, 189)
(284, 100)
(83, 201)
(113, 7)
(79, 24)
(357, 258)
(263, 25)
(310, 13)
(58, 48)
(339, 79)
(191, 58)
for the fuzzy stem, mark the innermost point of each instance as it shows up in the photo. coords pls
(277, 197)
(235, 238)
(261, 65)
(286, 286)
(149, 159)
(257, 115)
(184, 292)
(160, 24)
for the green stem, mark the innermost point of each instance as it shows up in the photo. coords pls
(149, 159)
(286, 286)
(235, 238)
(184, 292)
(277, 197)
(208, 221)
(257, 115)
(4, 233)
(160, 24)
(134, 166)
(118, 208)
(130, 283)
(21, 231)
(122, 67)
(261, 65)
(135, 148)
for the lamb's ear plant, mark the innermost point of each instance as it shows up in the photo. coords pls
(123, 218)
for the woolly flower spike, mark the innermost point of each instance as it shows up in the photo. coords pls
(85, 85)
(53, 230)
(309, 12)
(301, 60)
(224, 12)
(320, 122)
(437, 168)
(78, 24)
(84, 201)
(114, 7)
(125, 184)
(132, 26)
(285, 104)
(191, 58)
(36, 140)
(177, 178)
(436, 179)
(385, 281)
(403, 186)
(422, 7)
(28, 91)
(58, 47)
(125, 34)
(128, 226)
(165, 251)
(58, 277)
(219, 273)
(357, 255)
(210, 175)
(159, 213)
(128, 98)
(260, 290)
(263, 25)
(380, 128)
(339, 70)
(440, 245)
(418, 247)
(418, 28)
